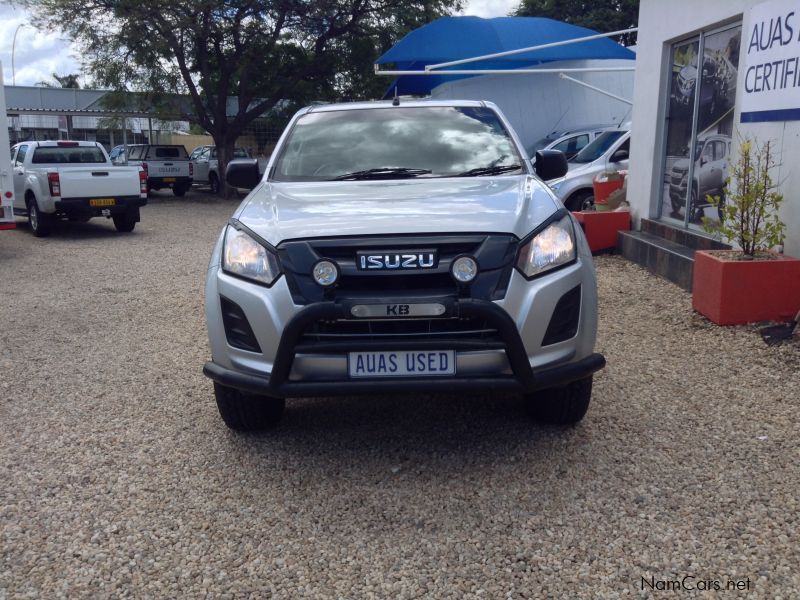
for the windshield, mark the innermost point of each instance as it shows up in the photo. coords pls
(598, 147)
(393, 142)
(79, 154)
(167, 152)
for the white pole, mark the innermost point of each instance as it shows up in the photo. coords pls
(506, 71)
(13, 48)
(596, 89)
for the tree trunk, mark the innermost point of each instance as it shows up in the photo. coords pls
(225, 147)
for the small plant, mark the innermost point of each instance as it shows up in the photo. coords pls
(749, 213)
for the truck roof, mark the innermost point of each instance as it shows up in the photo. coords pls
(60, 143)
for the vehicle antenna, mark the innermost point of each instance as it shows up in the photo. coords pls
(396, 101)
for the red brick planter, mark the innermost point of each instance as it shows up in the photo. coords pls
(734, 292)
(601, 227)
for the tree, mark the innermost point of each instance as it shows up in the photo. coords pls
(236, 60)
(70, 81)
(600, 15)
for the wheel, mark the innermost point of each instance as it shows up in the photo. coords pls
(213, 182)
(41, 223)
(247, 412)
(180, 190)
(582, 200)
(124, 223)
(565, 405)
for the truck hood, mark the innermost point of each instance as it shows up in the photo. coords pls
(280, 211)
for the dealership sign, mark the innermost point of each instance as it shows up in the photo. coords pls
(771, 90)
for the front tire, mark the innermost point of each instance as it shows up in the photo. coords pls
(41, 223)
(247, 412)
(565, 405)
(583, 200)
(180, 190)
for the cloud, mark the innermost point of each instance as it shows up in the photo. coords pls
(38, 54)
(489, 8)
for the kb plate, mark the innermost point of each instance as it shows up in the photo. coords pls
(102, 202)
(412, 363)
(388, 311)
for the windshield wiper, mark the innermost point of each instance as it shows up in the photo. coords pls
(382, 173)
(496, 170)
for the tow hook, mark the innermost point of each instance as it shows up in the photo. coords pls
(106, 213)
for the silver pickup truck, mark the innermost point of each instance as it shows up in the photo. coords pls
(74, 180)
(167, 166)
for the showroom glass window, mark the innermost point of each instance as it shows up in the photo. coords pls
(699, 124)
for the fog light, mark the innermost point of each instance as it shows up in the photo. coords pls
(464, 269)
(325, 273)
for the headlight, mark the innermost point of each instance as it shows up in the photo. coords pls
(245, 257)
(551, 248)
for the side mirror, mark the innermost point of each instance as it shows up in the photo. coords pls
(619, 155)
(243, 173)
(550, 164)
(703, 160)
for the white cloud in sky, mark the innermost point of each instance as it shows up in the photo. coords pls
(38, 54)
(489, 8)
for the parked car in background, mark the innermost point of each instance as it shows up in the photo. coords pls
(206, 165)
(568, 141)
(428, 256)
(711, 159)
(74, 180)
(166, 165)
(608, 152)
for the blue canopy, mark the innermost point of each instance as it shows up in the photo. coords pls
(454, 38)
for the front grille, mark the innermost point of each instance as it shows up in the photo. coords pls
(465, 329)
(494, 253)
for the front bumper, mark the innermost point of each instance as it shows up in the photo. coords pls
(522, 377)
(81, 207)
(157, 183)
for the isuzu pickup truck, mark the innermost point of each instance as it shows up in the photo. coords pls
(408, 246)
(166, 166)
(74, 180)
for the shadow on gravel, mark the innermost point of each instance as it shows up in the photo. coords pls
(75, 231)
(356, 431)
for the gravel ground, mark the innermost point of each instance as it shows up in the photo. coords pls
(119, 478)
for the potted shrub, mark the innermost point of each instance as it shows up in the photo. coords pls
(752, 283)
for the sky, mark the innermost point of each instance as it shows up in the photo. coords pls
(38, 54)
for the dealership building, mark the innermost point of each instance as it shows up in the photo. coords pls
(709, 74)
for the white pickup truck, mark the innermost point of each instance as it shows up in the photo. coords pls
(166, 165)
(206, 165)
(74, 180)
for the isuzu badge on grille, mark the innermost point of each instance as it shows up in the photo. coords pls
(388, 260)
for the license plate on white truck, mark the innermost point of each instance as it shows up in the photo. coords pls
(403, 363)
